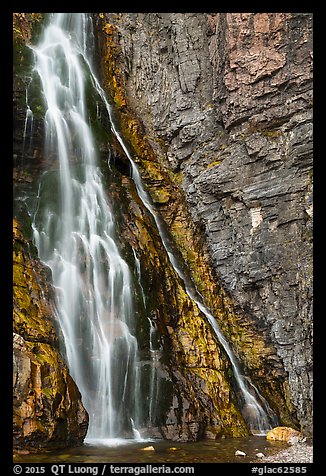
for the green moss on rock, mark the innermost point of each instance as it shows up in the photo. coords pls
(190, 357)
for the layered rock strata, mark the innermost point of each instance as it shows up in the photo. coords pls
(218, 109)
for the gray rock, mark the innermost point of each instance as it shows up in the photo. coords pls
(240, 453)
(230, 98)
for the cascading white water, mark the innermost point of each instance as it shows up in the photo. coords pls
(154, 354)
(28, 128)
(75, 237)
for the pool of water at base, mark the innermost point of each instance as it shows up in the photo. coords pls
(129, 451)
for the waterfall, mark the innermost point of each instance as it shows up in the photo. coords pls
(28, 128)
(76, 238)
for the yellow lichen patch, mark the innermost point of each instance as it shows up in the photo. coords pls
(119, 98)
(153, 171)
(132, 131)
(146, 242)
(22, 25)
(160, 196)
(213, 164)
(31, 311)
(271, 133)
(50, 368)
(108, 28)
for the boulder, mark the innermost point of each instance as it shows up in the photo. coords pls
(240, 453)
(284, 433)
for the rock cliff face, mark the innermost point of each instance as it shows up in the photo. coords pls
(218, 108)
(48, 411)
